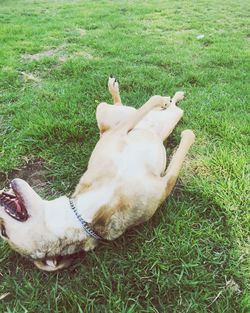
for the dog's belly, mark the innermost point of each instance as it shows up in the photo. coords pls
(143, 153)
(139, 153)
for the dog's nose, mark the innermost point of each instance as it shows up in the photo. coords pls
(15, 182)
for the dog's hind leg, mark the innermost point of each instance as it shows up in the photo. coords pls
(109, 116)
(113, 87)
(172, 116)
(172, 172)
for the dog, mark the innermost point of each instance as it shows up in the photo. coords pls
(125, 182)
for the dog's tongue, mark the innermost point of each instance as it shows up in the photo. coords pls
(13, 206)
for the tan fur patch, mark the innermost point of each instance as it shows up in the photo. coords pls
(170, 184)
(103, 217)
(104, 128)
(82, 188)
(101, 220)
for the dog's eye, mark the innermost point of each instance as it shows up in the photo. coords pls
(3, 231)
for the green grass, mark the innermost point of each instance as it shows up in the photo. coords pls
(193, 256)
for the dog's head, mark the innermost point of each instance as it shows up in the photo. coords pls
(39, 229)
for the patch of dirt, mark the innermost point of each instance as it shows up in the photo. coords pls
(81, 31)
(30, 77)
(39, 55)
(77, 31)
(63, 58)
(79, 54)
(33, 172)
(84, 54)
(59, 52)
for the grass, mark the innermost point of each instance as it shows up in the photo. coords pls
(193, 256)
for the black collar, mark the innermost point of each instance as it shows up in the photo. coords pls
(84, 224)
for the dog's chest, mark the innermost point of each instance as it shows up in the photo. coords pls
(132, 203)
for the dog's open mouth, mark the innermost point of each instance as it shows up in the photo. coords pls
(13, 204)
(56, 263)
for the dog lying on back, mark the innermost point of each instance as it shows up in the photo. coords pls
(125, 182)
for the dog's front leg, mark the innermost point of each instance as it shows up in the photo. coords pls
(113, 87)
(187, 139)
(152, 103)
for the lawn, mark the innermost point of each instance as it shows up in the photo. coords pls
(55, 58)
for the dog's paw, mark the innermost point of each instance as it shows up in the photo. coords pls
(167, 101)
(188, 134)
(113, 85)
(179, 95)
